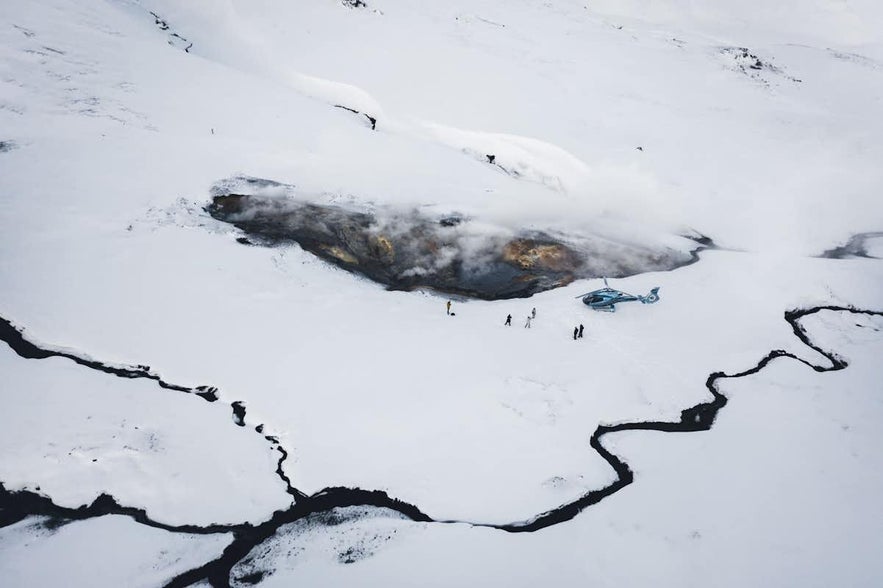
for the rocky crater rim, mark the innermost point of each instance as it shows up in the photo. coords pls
(406, 249)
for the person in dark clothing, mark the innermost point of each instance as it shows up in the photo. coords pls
(575, 331)
(580, 331)
(533, 313)
(508, 320)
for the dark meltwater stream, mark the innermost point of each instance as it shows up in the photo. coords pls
(16, 505)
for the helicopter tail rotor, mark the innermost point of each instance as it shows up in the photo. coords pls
(650, 298)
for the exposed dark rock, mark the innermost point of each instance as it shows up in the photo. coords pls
(26, 32)
(372, 120)
(407, 250)
(163, 25)
(855, 247)
(450, 221)
(238, 412)
(750, 64)
(174, 39)
(703, 240)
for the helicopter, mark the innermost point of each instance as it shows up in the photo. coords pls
(605, 298)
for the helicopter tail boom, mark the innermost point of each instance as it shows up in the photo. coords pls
(650, 298)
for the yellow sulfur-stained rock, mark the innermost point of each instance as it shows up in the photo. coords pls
(530, 254)
(341, 255)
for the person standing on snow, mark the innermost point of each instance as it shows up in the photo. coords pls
(533, 313)
(449, 307)
(527, 324)
(575, 331)
(508, 320)
(580, 331)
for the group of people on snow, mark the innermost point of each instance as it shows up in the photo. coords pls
(530, 317)
(577, 331)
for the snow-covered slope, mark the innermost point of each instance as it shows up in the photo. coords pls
(109, 551)
(781, 492)
(752, 124)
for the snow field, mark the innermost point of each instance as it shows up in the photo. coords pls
(108, 551)
(73, 434)
(117, 137)
(769, 496)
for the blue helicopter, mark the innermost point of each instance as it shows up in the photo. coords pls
(605, 298)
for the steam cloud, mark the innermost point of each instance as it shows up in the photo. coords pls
(410, 248)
